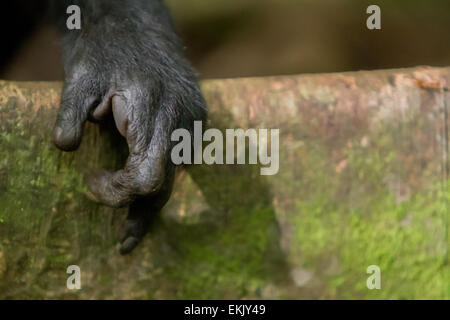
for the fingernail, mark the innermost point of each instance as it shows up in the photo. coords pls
(57, 133)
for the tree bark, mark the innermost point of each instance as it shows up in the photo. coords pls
(363, 180)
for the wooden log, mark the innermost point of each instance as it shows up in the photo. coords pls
(363, 180)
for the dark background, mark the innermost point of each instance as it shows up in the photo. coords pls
(230, 38)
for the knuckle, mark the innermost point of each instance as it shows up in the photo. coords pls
(149, 180)
(149, 186)
(66, 140)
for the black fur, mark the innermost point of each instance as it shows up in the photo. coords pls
(127, 59)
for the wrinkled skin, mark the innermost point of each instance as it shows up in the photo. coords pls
(128, 61)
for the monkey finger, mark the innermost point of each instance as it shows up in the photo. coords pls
(143, 175)
(103, 109)
(128, 245)
(72, 114)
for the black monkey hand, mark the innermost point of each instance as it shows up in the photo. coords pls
(126, 59)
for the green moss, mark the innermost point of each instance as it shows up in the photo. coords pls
(371, 225)
(42, 208)
(27, 180)
(232, 259)
(407, 241)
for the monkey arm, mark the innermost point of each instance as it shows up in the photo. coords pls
(126, 60)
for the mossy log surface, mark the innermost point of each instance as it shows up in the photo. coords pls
(363, 180)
